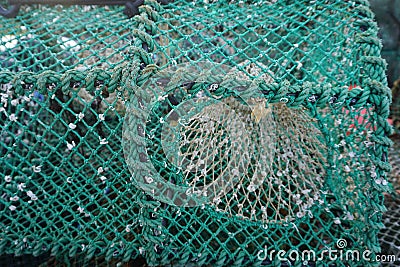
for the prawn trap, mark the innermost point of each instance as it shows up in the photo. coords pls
(218, 133)
(65, 189)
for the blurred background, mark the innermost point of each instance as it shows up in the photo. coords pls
(388, 16)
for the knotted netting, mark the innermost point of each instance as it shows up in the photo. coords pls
(198, 132)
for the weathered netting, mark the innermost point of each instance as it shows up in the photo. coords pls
(198, 132)
(64, 188)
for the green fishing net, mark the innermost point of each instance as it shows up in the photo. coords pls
(194, 133)
(64, 183)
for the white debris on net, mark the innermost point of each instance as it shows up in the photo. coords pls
(103, 178)
(72, 126)
(14, 198)
(86, 8)
(31, 195)
(12, 207)
(68, 44)
(100, 170)
(349, 216)
(14, 102)
(80, 116)
(162, 98)
(368, 143)
(12, 117)
(21, 186)
(128, 228)
(381, 181)
(149, 179)
(142, 250)
(305, 191)
(7, 178)
(71, 146)
(347, 168)
(6, 87)
(299, 65)
(101, 117)
(37, 168)
(338, 122)
(9, 42)
(103, 141)
(217, 200)
(373, 172)
(296, 197)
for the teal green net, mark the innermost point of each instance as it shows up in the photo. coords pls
(204, 133)
(64, 181)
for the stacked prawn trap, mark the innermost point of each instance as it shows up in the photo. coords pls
(65, 187)
(197, 132)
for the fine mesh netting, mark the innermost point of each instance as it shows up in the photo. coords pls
(64, 181)
(389, 237)
(61, 38)
(197, 132)
(212, 145)
(394, 159)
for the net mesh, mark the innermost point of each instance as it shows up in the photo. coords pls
(63, 178)
(394, 159)
(198, 132)
(389, 237)
(55, 38)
